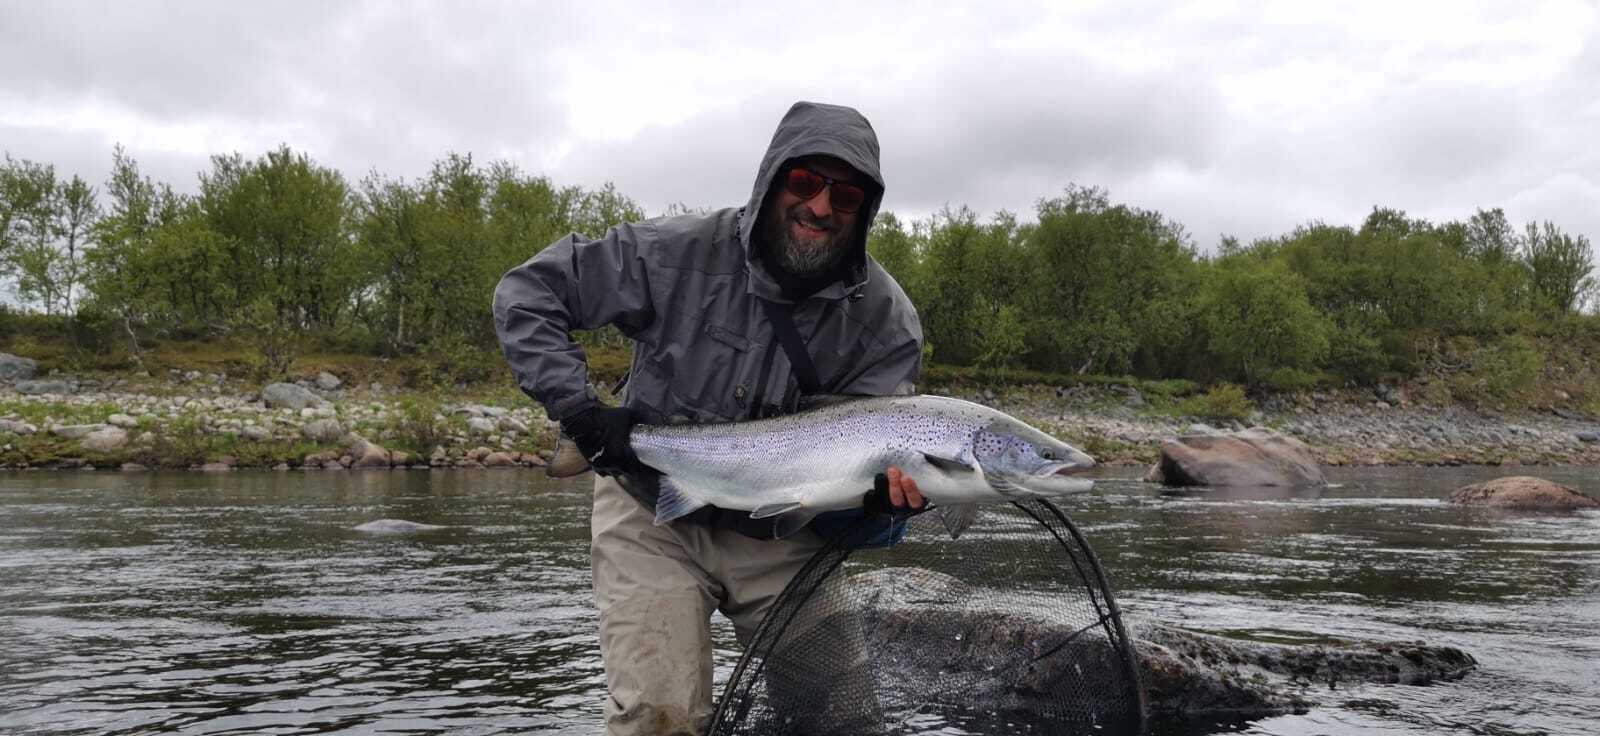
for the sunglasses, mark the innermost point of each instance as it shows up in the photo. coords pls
(805, 184)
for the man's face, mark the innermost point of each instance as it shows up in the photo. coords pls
(808, 236)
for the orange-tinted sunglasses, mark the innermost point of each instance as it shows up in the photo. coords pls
(805, 184)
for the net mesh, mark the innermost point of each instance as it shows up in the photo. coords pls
(1010, 629)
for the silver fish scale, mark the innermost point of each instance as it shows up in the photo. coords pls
(824, 458)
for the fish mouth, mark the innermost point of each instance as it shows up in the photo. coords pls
(1077, 464)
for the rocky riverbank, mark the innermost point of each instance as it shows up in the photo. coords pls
(200, 420)
(1348, 427)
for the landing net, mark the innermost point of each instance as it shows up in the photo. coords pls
(1010, 629)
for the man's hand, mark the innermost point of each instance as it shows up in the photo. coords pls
(601, 434)
(894, 493)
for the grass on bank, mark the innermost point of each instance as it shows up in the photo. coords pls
(1499, 373)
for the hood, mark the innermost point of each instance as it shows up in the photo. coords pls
(811, 128)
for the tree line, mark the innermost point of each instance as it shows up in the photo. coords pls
(281, 247)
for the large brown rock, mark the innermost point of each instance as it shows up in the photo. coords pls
(1255, 457)
(1522, 492)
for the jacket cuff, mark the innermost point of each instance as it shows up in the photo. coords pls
(560, 409)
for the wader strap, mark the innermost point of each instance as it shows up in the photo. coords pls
(805, 372)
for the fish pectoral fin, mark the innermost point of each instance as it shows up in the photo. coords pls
(949, 464)
(673, 503)
(773, 509)
(1005, 487)
(957, 517)
(790, 522)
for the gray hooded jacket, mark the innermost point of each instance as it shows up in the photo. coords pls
(686, 290)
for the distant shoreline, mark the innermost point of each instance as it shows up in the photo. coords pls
(200, 421)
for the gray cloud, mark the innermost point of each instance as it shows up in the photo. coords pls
(1231, 122)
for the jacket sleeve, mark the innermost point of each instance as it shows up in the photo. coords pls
(574, 284)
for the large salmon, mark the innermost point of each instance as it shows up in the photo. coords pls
(793, 467)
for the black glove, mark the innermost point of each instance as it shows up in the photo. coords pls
(876, 501)
(601, 434)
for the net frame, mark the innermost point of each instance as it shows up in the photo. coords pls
(1079, 563)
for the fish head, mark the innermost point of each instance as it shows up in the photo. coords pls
(1019, 460)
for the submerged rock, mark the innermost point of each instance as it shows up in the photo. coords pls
(1254, 457)
(395, 526)
(1186, 675)
(1523, 493)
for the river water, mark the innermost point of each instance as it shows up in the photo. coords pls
(246, 603)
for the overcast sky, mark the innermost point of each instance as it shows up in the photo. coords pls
(1232, 118)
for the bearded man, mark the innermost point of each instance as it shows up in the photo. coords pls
(734, 314)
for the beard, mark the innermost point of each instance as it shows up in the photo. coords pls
(804, 257)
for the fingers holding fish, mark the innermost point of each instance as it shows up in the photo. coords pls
(903, 492)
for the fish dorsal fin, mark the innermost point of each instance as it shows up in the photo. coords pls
(773, 509)
(817, 401)
(957, 517)
(673, 502)
(567, 460)
(789, 522)
(949, 464)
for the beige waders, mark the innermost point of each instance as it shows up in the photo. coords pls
(656, 587)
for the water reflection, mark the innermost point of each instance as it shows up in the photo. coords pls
(245, 603)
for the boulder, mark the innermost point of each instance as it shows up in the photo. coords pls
(16, 368)
(511, 424)
(322, 430)
(133, 468)
(480, 425)
(328, 382)
(255, 433)
(122, 420)
(215, 468)
(17, 426)
(105, 439)
(75, 431)
(290, 396)
(1523, 493)
(364, 454)
(1254, 457)
(320, 459)
(499, 460)
(49, 386)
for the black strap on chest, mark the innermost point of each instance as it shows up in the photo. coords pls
(805, 371)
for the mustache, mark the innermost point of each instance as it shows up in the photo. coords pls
(803, 216)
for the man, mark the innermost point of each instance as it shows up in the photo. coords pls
(709, 301)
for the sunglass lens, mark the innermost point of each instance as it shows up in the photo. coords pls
(804, 184)
(847, 197)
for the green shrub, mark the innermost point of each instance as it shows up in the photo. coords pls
(1290, 380)
(420, 426)
(1499, 373)
(1223, 402)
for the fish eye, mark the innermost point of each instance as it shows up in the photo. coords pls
(1047, 453)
